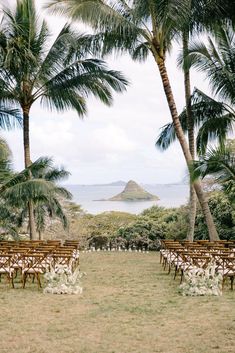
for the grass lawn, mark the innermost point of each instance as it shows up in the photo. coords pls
(128, 305)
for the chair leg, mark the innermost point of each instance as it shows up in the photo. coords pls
(38, 280)
(16, 272)
(12, 280)
(181, 277)
(232, 280)
(9, 278)
(165, 263)
(176, 270)
(169, 270)
(24, 279)
(223, 282)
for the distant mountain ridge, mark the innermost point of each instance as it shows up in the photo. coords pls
(124, 183)
(114, 183)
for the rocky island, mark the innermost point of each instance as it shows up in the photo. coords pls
(133, 192)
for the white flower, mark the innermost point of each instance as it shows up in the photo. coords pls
(200, 281)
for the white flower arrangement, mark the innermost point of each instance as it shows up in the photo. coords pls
(61, 280)
(200, 282)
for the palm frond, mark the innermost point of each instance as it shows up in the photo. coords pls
(10, 118)
(219, 162)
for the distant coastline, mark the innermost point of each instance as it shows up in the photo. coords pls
(123, 183)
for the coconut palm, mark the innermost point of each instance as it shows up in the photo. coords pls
(220, 163)
(213, 119)
(8, 222)
(201, 16)
(216, 119)
(61, 77)
(38, 184)
(216, 59)
(140, 27)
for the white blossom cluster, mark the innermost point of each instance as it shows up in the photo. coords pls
(61, 280)
(200, 282)
(93, 249)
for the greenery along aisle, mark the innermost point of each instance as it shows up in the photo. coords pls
(61, 77)
(139, 28)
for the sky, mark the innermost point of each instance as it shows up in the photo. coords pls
(111, 143)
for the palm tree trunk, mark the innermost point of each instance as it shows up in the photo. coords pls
(27, 161)
(182, 140)
(191, 140)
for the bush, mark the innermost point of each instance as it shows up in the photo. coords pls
(223, 212)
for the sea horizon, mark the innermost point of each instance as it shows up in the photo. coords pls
(92, 197)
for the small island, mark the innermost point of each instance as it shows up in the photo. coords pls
(133, 192)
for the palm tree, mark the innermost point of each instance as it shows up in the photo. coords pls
(202, 15)
(140, 27)
(220, 163)
(61, 77)
(38, 184)
(212, 119)
(8, 222)
(216, 59)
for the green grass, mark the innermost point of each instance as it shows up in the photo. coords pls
(128, 305)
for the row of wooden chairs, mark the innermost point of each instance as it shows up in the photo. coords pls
(184, 256)
(33, 258)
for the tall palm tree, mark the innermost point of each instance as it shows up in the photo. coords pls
(140, 27)
(202, 15)
(212, 120)
(61, 77)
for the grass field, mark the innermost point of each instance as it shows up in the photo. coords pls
(128, 305)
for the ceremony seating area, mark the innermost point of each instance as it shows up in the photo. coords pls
(185, 255)
(35, 257)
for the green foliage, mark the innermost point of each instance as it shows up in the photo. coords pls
(37, 183)
(137, 27)
(213, 120)
(224, 215)
(62, 76)
(123, 229)
(220, 163)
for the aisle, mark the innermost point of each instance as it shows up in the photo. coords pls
(129, 305)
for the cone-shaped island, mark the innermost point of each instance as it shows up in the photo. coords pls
(133, 192)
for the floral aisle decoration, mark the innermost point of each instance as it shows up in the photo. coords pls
(199, 281)
(61, 280)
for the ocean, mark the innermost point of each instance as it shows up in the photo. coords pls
(170, 195)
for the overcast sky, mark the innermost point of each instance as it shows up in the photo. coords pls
(111, 143)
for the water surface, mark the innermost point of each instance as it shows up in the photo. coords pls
(171, 195)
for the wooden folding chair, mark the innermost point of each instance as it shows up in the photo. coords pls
(35, 265)
(228, 269)
(63, 259)
(6, 267)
